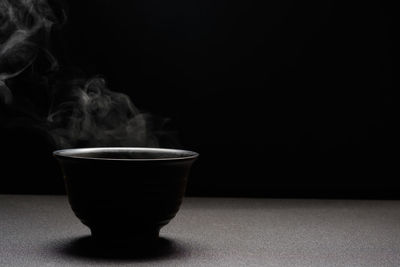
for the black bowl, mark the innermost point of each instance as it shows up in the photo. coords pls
(125, 194)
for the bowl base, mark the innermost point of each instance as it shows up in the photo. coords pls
(126, 237)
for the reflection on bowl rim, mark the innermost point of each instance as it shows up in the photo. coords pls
(71, 153)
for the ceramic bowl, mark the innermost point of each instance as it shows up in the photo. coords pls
(125, 194)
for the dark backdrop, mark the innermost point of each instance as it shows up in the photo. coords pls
(283, 98)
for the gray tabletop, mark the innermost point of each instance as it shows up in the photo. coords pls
(43, 231)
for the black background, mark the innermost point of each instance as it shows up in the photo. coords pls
(283, 98)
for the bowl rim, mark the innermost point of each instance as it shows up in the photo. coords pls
(70, 153)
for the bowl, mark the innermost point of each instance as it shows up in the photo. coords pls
(125, 194)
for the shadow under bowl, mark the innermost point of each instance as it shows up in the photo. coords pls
(125, 195)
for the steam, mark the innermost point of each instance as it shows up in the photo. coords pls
(89, 114)
(96, 116)
(21, 21)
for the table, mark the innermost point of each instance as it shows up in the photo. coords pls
(43, 231)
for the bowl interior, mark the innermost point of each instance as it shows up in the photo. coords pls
(126, 153)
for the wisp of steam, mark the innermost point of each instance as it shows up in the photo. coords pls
(90, 114)
(21, 21)
(96, 116)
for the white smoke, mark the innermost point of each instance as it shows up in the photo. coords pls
(96, 116)
(89, 113)
(21, 21)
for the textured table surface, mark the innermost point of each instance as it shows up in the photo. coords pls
(42, 231)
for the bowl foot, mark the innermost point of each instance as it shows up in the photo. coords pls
(127, 237)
